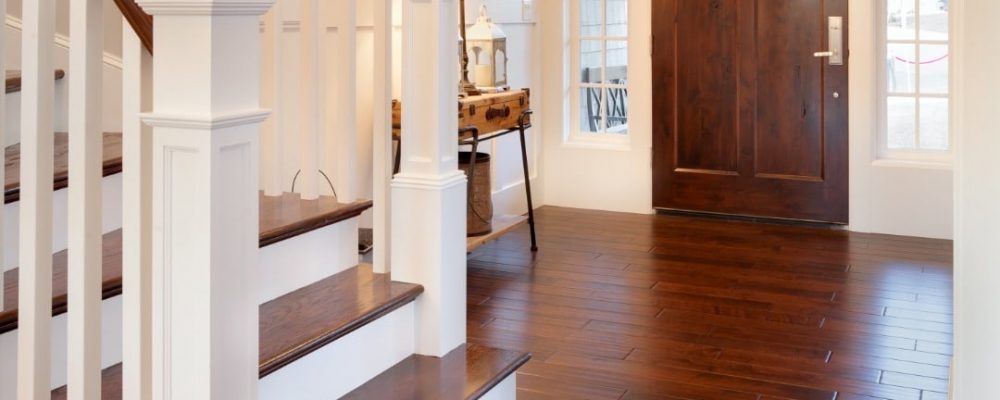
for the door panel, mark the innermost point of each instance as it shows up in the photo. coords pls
(789, 137)
(745, 118)
(706, 93)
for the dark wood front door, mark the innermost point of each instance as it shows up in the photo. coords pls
(746, 119)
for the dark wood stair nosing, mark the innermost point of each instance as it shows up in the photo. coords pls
(307, 225)
(12, 84)
(501, 376)
(111, 163)
(111, 167)
(112, 378)
(419, 376)
(268, 367)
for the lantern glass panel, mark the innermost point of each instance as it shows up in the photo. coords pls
(500, 67)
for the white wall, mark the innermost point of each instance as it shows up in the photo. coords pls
(977, 200)
(617, 178)
(898, 198)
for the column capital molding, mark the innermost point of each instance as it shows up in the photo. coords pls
(205, 123)
(206, 7)
(406, 180)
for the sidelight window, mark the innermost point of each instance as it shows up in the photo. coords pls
(599, 94)
(915, 53)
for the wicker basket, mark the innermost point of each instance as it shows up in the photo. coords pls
(479, 216)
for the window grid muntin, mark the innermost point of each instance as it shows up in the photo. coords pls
(604, 86)
(915, 151)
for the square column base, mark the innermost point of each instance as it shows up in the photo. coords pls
(428, 236)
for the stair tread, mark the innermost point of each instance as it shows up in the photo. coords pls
(467, 372)
(111, 281)
(302, 321)
(12, 159)
(323, 212)
(12, 82)
(111, 385)
(286, 216)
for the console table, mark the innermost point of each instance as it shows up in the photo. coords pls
(483, 118)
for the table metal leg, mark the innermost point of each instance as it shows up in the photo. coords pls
(527, 186)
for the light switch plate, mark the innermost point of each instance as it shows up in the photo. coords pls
(527, 10)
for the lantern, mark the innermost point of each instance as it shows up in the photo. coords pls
(488, 54)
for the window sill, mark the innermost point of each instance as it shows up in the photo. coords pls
(916, 164)
(598, 142)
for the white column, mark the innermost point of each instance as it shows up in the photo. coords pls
(382, 128)
(137, 218)
(35, 253)
(206, 125)
(272, 144)
(86, 147)
(3, 145)
(312, 98)
(428, 195)
(975, 63)
(342, 131)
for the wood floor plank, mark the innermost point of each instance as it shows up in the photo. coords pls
(736, 310)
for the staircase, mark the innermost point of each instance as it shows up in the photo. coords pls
(175, 274)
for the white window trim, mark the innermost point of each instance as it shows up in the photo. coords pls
(577, 137)
(908, 157)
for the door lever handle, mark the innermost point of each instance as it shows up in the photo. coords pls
(821, 54)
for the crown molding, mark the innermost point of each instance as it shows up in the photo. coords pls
(206, 7)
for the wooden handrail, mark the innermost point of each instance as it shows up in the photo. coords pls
(141, 22)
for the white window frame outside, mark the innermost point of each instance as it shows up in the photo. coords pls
(616, 138)
(915, 155)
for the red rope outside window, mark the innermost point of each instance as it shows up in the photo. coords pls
(922, 62)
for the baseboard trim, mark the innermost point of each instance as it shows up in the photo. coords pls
(749, 218)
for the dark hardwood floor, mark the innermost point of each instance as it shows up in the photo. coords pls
(624, 306)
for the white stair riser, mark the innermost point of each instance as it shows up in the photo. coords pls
(111, 214)
(505, 390)
(305, 259)
(339, 367)
(111, 351)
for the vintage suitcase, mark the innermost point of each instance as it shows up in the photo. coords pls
(488, 112)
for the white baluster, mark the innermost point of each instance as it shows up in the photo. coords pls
(272, 144)
(382, 127)
(3, 145)
(311, 82)
(342, 136)
(35, 253)
(85, 172)
(137, 229)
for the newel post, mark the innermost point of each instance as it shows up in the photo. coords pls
(206, 123)
(428, 195)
